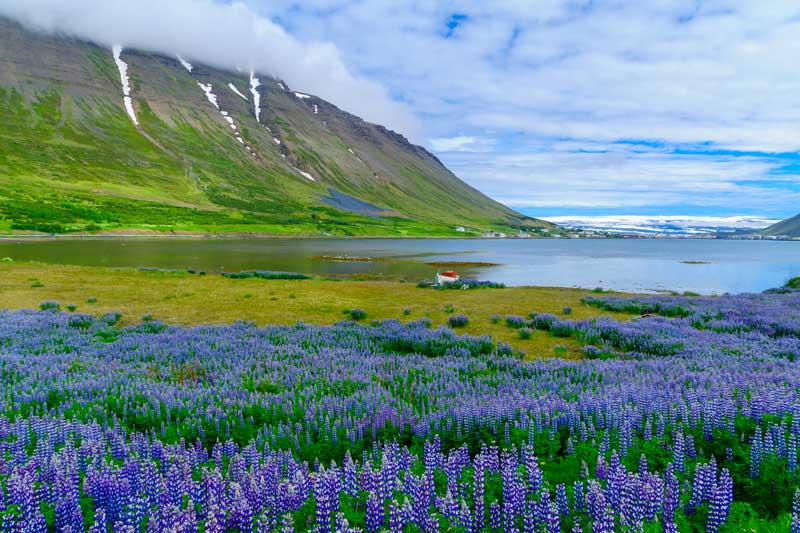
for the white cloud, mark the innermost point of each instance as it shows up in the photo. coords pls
(616, 178)
(461, 143)
(223, 35)
(523, 90)
(721, 72)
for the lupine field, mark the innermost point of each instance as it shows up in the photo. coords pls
(684, 418)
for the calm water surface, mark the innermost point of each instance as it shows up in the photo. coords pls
(628, 265)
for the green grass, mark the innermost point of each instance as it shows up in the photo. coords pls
(181, 298)
(50, 178)
(72, 161)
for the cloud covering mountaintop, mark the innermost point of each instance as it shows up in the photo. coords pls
(551, 106)
(223, 35)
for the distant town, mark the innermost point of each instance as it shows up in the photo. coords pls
(567, 233)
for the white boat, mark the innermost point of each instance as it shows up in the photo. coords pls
(448, 276)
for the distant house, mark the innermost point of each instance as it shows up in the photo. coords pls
(461, 229)
(523, 235)
(494, 235)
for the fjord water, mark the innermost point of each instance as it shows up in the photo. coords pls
(637, 265)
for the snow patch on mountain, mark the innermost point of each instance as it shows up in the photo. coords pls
(126, 85)
(354, 154)
(301, 96)
(188, 66)
(237, 91)
(209, 92)
(676, 225)
(254, 84)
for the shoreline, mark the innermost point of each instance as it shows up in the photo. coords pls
(192, 300)
(315, 277)
(139, 235)
(234, 236)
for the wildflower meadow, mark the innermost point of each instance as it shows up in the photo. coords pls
(684, 418)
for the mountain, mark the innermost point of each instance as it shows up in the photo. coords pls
(789, 227)
(99, 139)
(664, 225)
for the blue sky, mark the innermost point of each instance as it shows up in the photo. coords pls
(554, 107)
(563, 107)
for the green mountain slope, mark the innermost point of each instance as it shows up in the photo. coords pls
(71, 158)
(790, 227)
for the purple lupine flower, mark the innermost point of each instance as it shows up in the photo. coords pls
(561, 499)
(642, 469)
(721, 499)
(605, 523)
(632, 502)
(478, 494)
(755, 455)
(595, 500)
(600, 470)
(533, 473)
(265, 523)
(705, 478)
(616, 475)
(687, 377)
(241, 513)
(215, 521)
(795, 524)
(671, 494)
(578, 496)
(67, 510)
(121, 527)
(350, 476)
(374, 514)
(678, 454)
(553, 519)
(495, 516)
(396, 519)
(287, 524)
(513, 491)
(99, 523)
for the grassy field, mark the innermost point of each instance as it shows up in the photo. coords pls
(183, 298)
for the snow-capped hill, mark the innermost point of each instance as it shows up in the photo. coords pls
(676, 225)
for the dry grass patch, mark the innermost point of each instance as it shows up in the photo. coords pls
(182, 298)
